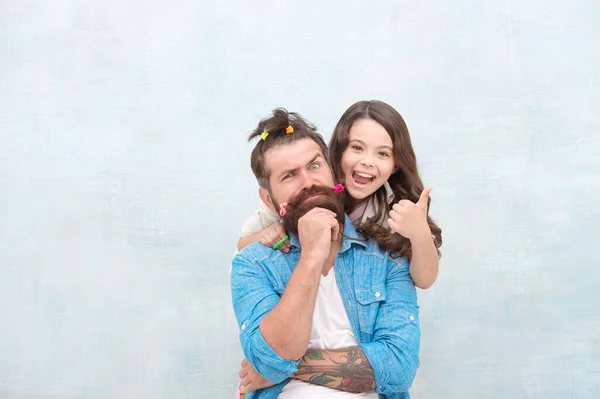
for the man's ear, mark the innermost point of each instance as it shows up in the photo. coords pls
(264, 195)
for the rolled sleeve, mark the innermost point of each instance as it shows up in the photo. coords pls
(394, 350)
(253, 298)
(266, 361)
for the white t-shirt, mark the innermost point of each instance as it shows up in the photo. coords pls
(330, 330)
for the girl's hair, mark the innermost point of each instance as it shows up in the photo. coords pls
(405, 181)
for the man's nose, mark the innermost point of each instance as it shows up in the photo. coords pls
(308, 180)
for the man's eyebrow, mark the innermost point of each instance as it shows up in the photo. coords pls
(319, 155)
(286, 171)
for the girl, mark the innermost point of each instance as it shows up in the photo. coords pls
(371, 153)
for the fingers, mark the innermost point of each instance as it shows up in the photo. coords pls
(266, 239)
(422, 203)
(320, 211)
(285, 247)
(321, 218)
(244, 370)
(335, 230)
(246, 376)
(393, 225)
(281, 233)
(251, 382)
(329, 217)
(272, 235)
(402, 203)
(246, 383)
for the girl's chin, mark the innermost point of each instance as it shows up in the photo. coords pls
(357, 194)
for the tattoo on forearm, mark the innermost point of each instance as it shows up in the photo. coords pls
(342, 369)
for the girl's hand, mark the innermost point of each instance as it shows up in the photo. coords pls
(272, 235)
(410, 219)
(251, 380)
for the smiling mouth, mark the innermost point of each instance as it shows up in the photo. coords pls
(361, 178)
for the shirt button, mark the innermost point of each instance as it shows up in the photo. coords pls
(244, 326)
(377, 294)
(412, 317)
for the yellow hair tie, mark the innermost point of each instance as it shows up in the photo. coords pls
(264, 135)
(289, 130)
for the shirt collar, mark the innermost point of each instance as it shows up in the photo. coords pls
(351, 236)
(389, 193)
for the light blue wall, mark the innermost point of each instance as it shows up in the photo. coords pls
(124, 179)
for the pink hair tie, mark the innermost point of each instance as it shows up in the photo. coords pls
(338, 188)
(283, 209)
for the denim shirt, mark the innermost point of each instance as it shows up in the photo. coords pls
(378, 294)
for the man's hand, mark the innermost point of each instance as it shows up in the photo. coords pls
(251, 380)
(316, 230)
(410, 219)
(272, 235)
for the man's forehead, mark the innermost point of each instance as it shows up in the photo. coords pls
(289, 156)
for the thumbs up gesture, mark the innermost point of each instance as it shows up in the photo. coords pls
(410, 219)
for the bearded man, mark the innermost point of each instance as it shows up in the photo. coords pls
(333, 316)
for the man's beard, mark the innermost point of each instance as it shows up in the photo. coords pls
(298, 207)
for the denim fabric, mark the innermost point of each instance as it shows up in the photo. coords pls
(378, 294)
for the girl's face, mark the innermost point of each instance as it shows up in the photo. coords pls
(368, 161)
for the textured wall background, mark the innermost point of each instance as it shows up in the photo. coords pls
(124, 179)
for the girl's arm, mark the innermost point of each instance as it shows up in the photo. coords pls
(410, 220)
(247, 240)
(424, 264)
(264, 227)
(268, 237)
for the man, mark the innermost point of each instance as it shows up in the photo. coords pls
(335, 315)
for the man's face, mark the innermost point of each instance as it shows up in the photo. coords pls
(294, 168)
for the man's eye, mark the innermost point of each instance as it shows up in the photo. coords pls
(287, 176)
(315, 166)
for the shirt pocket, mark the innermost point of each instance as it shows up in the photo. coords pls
(369, 300)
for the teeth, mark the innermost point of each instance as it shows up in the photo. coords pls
(366, 176)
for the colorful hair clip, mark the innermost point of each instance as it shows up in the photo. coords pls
(264, 135)
(283, 209)
(338, 188)
(289, 130)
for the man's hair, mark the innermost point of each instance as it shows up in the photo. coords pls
(276, 126)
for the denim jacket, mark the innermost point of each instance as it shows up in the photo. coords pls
(378, 294)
